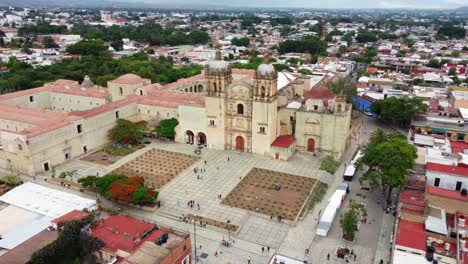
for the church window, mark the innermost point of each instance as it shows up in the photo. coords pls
(315, 107)
(20, 147)
(339, 108)
(262, 91)
(262, 129)
(117, 114)
(212, 122)
(191, 89)
(214, 88)
(141, 92)
(79, 129)
(240, 109)
(31, 98)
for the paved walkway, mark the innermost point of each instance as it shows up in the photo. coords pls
(256, 230)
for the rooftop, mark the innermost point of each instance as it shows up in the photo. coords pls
(446, 193)
(411, 234)
(412, 197)
(283, 141)
(129, 79)
(73, 215)
(447, 169)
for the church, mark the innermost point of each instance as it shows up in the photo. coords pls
(254, 111)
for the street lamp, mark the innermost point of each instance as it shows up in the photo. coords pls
(195, 236)
(229, 229)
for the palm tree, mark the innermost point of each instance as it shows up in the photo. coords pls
(343, 87)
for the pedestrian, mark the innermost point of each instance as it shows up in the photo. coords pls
(268, 248)
(198, 205)
(216, 253)
(354, 256)
(263, 249)
(328, 257)
(271, 217)
(381, 261)
(307, 251)
(248, 260)
(198, 177)
(228, 159)
(205, 162)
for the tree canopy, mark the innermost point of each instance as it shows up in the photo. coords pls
(389, 158)
(399, 111)
(245, 42)
(166, 128)
(343, 87)
(365, 37)
(88, 47)
(308, 44)
(451, 31)
(72, 246)
(127, 132)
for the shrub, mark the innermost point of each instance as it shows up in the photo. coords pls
(166, 128)
(329, 164)
(116, 151)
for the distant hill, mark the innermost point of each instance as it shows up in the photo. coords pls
(72, 4)
(463, 9)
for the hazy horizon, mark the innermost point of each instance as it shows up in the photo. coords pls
(423, 4)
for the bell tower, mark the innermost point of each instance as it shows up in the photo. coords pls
(265, 107)
(265, 82)
(219, 76)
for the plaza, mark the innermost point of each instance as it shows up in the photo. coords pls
(157, 167)
(271, 193)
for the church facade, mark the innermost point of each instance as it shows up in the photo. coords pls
(255, 111)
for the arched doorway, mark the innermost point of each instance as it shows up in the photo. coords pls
(189, 137)
(200, 88)
(201, 138)
(240, 143)
(311, 145)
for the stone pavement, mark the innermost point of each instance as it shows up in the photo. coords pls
(256, 230)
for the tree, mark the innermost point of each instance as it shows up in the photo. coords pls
(433, 63)
(343, 87)
(452, 32)
(349, 220)
(199, 37)
(49, 43)
(69, 174)
(389, 158)
(365, 37)
(166, 128)
(243, 42)
(88, 47)
(399, 111)
(117, 44)
(144, 195)
(127, 132)
(308, 44)
(455, 53)
(71, 246)
(27, 47)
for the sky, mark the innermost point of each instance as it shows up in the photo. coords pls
(445, 4)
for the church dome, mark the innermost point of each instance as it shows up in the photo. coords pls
(266, 69)
(218, 65)
(87, 82)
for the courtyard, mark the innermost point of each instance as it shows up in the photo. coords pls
(157, 167)
(275, 194)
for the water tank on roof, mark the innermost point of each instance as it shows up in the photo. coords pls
(461, 221)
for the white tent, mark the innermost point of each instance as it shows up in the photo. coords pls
(330, 212)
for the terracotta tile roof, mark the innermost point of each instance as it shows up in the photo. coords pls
(124, 233)
(446, 193)
(73, 215)
(185, 81)
(129, 79)
(22, 253)
(412, 197)
(319, 92)
(283, 141)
